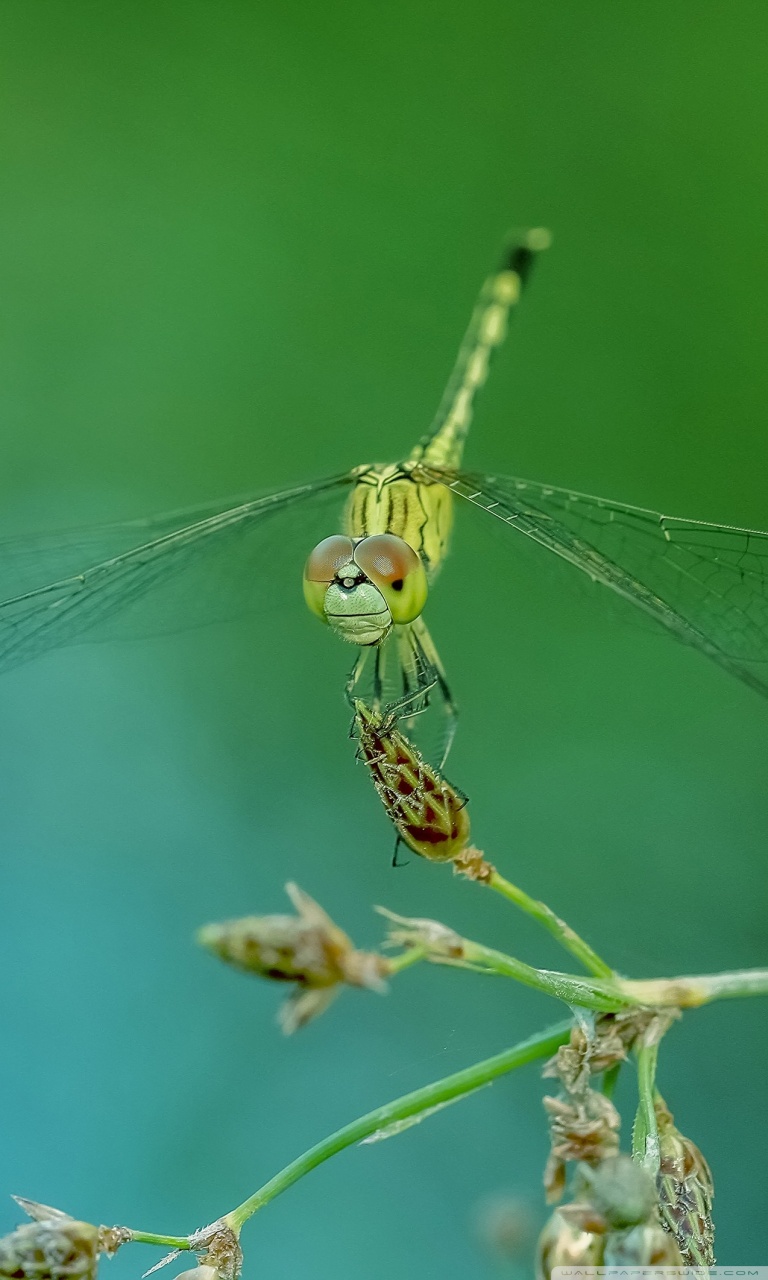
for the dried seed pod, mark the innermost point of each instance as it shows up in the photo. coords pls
(591, 1051)
(42, 1212)
(307, 949)
(646, 1245)
(584, 1128)
(110, 1239)
(429, 814)
(685, 1192)
(561, 1244)
(435, 937)
(59, 1248)
(223, 1254)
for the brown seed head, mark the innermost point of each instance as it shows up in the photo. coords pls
(59, 1248)
(223, 1255)
(110, 1239)
(584, 1128)
(307, 949)
(612, 1037)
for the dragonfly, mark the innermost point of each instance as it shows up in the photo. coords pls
(369, 579)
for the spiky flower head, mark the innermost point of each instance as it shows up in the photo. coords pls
(428, 813)
(685, 1192)
(56, 1248)
(306, 949)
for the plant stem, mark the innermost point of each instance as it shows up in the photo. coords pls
(545, 916)
(614, 993)
(438, 944)
(645, 1133)
(690, 992)
(396, 964)
(411, 1104)
(601, 995)
(151, 1237)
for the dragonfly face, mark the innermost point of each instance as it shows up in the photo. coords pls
(362, 588)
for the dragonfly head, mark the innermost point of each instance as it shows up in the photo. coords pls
(363, 588)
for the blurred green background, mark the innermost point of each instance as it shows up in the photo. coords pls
(239, 247)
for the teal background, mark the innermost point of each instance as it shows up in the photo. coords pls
(239, 247)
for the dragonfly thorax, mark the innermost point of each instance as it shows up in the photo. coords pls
(396, 499)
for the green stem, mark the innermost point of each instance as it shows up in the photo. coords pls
(396, 964)
(545, 916)
(435, 942)
(689, 993)
(411, 1104)
(151, 1237)
(645, 1134)
(602, 996)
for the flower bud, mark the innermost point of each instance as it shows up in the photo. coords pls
(429, 815)
(685, 1192)
(307, 949)
(59, 1248)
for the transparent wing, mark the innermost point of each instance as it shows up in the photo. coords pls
(35, 560)
(706, 583)
(181, 570)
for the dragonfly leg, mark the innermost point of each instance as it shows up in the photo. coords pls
(355, 676)
(418, 675)
(379, 665)
(432, 657)
(395, 851)
(353, 689)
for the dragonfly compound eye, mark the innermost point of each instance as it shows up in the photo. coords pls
(321, 568)
(397, 571)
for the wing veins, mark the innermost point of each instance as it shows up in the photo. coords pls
(100, 591)
(507, 499)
